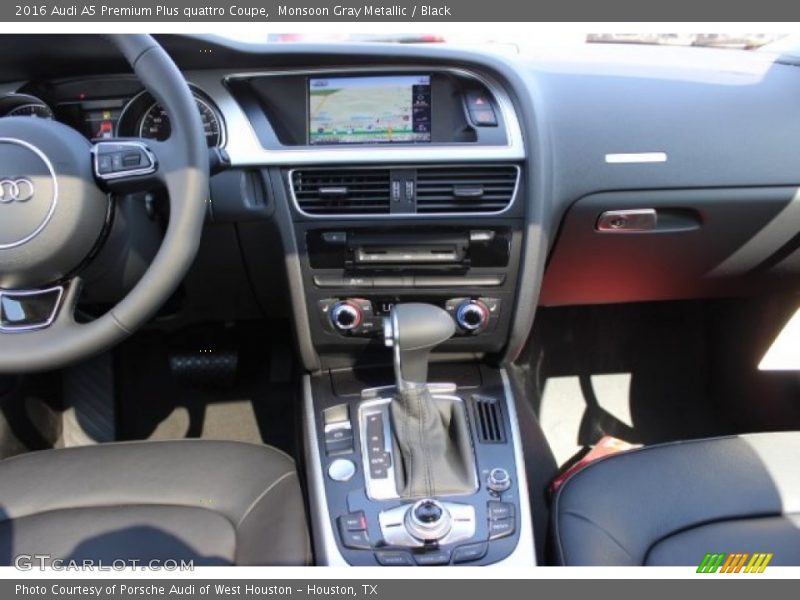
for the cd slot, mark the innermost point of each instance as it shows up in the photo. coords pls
(370, 251)
(376, 255)
(428, 251)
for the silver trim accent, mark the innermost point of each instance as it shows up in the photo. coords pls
(245, 148)
(148, 170)
(13, 186)
(44, 324)
(326, 550)
(53, 201)
(524, 553)
(417, 215)
(634, 220)
(395, 532)
(378, 489)
(636, 157)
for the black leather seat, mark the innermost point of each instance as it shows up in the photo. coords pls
(671, 504)
(216, 503)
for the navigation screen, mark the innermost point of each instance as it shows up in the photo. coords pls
(369, 110)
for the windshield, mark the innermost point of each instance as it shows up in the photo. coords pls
(744, 41)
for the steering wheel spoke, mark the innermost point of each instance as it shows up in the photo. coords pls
(30, 310)
(128, 165)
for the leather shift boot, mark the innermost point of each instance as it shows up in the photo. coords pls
(433, 446)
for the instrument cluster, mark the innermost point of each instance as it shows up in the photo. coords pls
(107, 108)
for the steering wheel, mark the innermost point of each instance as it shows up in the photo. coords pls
(55, 205)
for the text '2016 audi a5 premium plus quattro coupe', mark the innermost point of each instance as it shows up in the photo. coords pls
(354, 303)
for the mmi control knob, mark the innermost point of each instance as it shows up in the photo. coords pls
(428, 520)
(472, 315)
(346, 315)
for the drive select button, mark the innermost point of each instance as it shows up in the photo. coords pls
(353, 529)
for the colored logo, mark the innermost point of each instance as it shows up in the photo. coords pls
(735, 562)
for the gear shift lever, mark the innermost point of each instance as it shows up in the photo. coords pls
(414, 330)
(430, 432)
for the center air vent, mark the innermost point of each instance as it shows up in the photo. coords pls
(488, 420)
(342, 191)
(474, 189)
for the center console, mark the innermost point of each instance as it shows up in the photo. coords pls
(403, 190)
(363, 516)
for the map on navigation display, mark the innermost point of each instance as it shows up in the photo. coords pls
(369, 110)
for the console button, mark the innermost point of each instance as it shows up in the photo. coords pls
(359, 282)
(328, 281)
(343, 446)
(470, 552)
(358, 540)
(393, 558)
(483, 117)
(500, 510)
(355, 521)
(388, 282)
(334, 237)
(501, 529)
(342, 469)
(432, 558)
(339, 434)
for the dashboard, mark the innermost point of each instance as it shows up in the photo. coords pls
(490, 184)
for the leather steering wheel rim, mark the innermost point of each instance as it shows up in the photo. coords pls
(183, 170)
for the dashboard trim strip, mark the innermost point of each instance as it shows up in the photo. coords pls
(245, 148)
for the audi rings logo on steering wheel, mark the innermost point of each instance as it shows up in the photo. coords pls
(20, 189)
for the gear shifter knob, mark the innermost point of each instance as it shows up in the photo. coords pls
(414, 329)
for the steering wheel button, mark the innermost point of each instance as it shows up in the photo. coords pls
(104, 164)
(131, 159)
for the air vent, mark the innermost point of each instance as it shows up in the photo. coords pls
(488, 420)
(342, 191)
(475, 189)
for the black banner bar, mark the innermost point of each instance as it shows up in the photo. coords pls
(729, 587)
(397, 11)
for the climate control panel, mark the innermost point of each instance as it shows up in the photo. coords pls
(363, 317)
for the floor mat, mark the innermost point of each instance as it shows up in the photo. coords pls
(31, 411)
(258, 406)
(636, 372)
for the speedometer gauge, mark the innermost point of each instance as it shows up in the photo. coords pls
(31, 110)
(155, 123)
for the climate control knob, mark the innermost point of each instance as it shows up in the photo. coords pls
(346, 315)
(472, 315)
